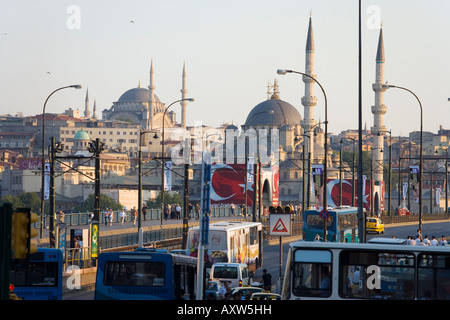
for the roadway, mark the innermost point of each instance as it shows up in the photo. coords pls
(271, 260)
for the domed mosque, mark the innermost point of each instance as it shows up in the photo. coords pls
(143, 106)
(275, 113)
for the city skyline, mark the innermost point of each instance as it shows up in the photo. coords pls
(231, 52)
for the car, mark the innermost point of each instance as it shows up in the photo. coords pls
(212, 289)
(265, 296)
(374, 225)
(245, 290)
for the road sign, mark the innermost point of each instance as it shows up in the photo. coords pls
(280, 224)
(324, 214)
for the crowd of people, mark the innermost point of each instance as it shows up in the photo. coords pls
(420, 240)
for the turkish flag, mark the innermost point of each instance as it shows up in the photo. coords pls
(228, 184)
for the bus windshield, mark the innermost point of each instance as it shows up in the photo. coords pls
(35, 274)
(134, 273)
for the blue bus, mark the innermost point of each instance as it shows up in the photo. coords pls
(145, 274)
(342, 225)
(39, 278)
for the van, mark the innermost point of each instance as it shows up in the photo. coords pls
(236, 274)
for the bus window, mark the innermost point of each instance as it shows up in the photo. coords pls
(433, 272)
(312, 273)
(376, 275)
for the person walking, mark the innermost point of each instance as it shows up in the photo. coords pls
(123, 215)
(266, 280)
(134, 215)
(144, 211)
(111, 216)
(106, 216)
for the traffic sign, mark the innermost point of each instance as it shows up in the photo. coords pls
(280, 224)
(324, 214)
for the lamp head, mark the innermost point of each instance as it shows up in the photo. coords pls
(282, 71)
(190, 99)
(76, 86)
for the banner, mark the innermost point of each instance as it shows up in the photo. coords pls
(275, 184)
(168, 175)
(405, 190)
(317, 171)
(250, 173)
(415, 181)
(47, 182)
(438, 197)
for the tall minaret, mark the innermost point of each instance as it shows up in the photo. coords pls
(183, 96)
(309, 100)
(151, 97)
(86, 105)
(378, 110)
(94, 111)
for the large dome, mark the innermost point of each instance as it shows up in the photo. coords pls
(136, 95)
(273, 112)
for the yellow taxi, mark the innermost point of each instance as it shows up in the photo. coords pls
(374, 225)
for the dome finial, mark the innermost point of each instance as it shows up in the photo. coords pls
(275, 94)
(139, 84)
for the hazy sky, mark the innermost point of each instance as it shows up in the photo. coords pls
(232, 49)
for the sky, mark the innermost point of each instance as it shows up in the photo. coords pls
(231, 50)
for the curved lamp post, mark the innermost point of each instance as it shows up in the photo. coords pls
(75, 86)
(283, 72)
(163, 165)
(387, 86)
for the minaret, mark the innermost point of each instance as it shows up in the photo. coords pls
(309, 100)
(183, 96)
(151, 97)
(378, 110)
(86, 105)
(94, 111)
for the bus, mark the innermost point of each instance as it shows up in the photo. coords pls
(39, 278)
(342, 225)
(344, 271)
(230, 241)
(145, 274)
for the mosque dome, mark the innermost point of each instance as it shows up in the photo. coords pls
(81, 135)
(136, 95)
(273, 112)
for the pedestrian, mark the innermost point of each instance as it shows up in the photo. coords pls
(434, 242)
(144, 211)
(178, 210)
(111, 216)
(232, 209)
(106, 214)
(123, 215)
(426, 241)
(419, 240)
(190, 210)
(412, 241)
(166, 211)
(197, 211)
(61, 216)
(134, 215)
(266, 280)
(443, 241)
(173, 212)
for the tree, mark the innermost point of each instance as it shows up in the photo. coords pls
(169, 197)
(105, 202)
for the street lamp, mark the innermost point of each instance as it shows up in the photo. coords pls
(163, 165)
(283, 72)
(75, 86)
(387, 86)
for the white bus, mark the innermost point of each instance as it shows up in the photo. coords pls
(230, 241)
(341, 271)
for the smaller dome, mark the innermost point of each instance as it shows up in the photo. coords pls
(231, 127)
(81, 135)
